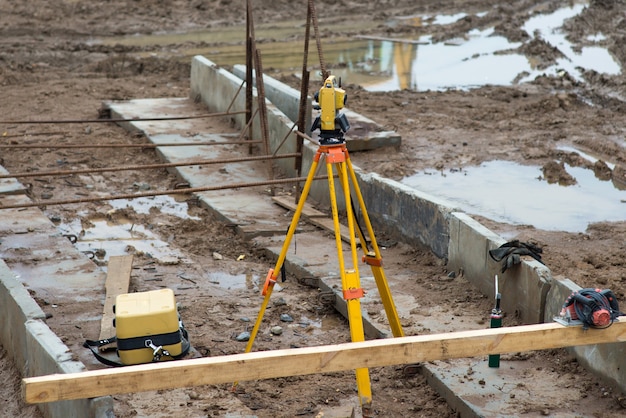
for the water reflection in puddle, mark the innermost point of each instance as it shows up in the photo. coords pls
(589, 58)
(102, 237)
(467, 63)
(478, 58)
(511, 193)
(142, 205)
(323, 324)
(235, 281)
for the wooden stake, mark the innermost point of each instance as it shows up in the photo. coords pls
(311, 360)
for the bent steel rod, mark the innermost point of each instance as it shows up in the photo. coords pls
(144, 167)
(165, 144)
(165, 192)
(163, 118)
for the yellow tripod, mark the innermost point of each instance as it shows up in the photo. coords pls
(337, 155)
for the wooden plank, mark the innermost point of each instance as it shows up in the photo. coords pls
(311, 360)
(308, 211)
(314, 216)
(396, 40)
(329, 225)
(117, 281)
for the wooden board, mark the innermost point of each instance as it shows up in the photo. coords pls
(329, 225)
(117, 281)
(308, 211)
(314, 216)
(398, 40)
(311, 360)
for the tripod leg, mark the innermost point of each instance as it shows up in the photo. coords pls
(375, 260)
(352, 291)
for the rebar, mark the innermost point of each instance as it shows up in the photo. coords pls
(143, 167)
(151, 194)
(119, 120)
(165, 144)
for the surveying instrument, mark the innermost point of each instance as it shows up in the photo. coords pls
(333, 124)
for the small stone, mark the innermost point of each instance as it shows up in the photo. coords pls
(280, 302)
(286, 318)
(276, 330)
(217, 256)
(244, 336)
(245, 319)
(169, 260)
(141, 186)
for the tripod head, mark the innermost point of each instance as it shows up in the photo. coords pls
(332, 123)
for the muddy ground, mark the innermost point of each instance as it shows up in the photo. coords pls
(53, 67)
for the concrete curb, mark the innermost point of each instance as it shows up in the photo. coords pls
(37, 351)
(30, 343)
(48, 355)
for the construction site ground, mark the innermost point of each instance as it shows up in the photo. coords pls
(52, 68)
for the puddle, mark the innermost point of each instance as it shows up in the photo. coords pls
(103, 238)
(461, 64)
(584, 155)
(323, 324)
(165, 204)
(477, 59)
(511, 193)
(589, 58)
(236, 281)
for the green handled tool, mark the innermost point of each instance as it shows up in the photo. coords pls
(496, 322)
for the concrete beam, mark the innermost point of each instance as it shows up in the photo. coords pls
(48, 355)
(16, 307)
(407, 214)
(36, 350)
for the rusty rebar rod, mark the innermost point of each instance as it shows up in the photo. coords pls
(165, 192)
(119, 120)
(144, 167)
(305, 136)
(285, 140)
(165, 144)
(7, 135)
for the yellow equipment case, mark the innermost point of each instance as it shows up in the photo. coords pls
(148, 327)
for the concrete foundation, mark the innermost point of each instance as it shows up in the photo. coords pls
(403, 213)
